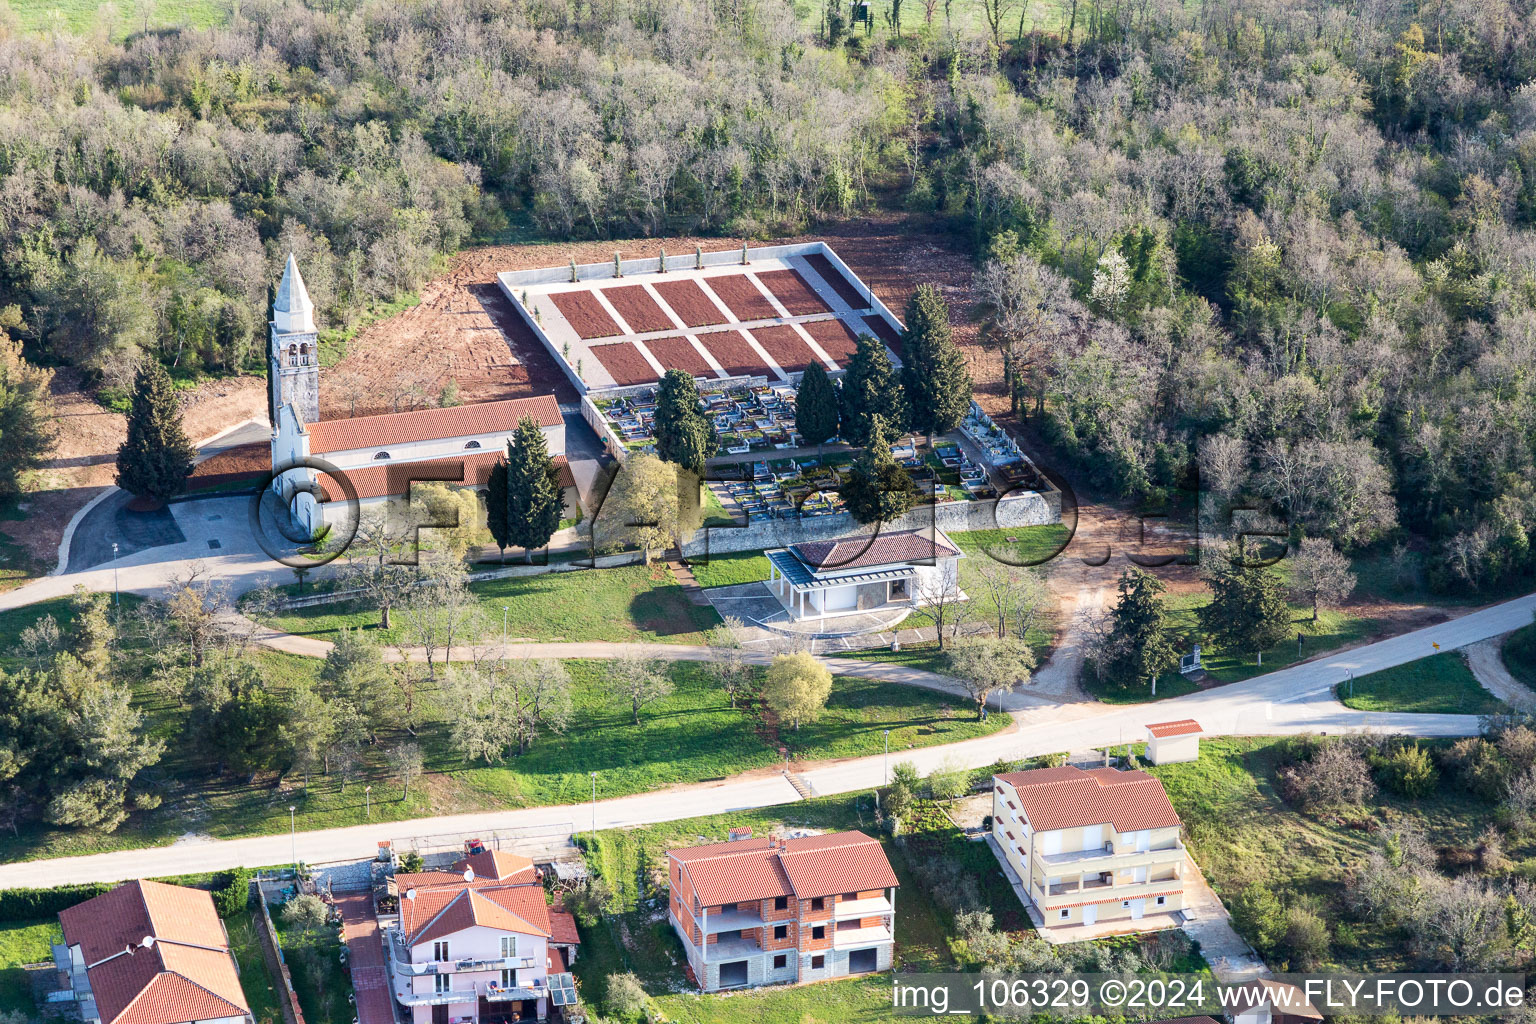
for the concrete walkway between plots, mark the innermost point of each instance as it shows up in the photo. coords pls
(365, 956)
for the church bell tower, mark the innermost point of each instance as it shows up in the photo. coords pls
(294, 355)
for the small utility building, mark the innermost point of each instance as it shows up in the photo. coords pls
(1172, 742)
(824, 578)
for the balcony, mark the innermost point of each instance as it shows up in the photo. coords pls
(850, 938)
(731, 949)
(466, 995)
(730, 921)
(1098, 892)
(873, 907)
(400, 954)
(1107, 853)
(498, 993)
(1063, 888)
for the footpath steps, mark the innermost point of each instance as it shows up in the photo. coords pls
(691, 588)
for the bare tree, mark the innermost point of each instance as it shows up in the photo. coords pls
(1320, 574)
(638, 681)
(406, 762)
(1015, 595)
(374, 561)
(939, 599)
(727, 664)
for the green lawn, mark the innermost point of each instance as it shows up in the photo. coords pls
(15, 620)
(691, 736)
(85, 16)
(324, 985)
(261, 989)
(1241, 832)
(729, 569)
(1022, 546)
(23, 942)
(1442, 684)
(1519, 654)
(628, 603)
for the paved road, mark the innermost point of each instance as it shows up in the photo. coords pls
(1293, 700)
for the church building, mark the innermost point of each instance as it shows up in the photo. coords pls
(379, 455)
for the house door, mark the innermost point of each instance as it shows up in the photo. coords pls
(440, 1014)
(1138, 907)
(1090, 913)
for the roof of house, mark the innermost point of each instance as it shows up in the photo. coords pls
(497, 864)
(186, 973)
(562, 928)
(1282, 996)
(437, 912)
(431, 424)
(1069, 797)
(1185, 1020)
(754, 869)
(1183, 727)
(879, 549)
(387, 479)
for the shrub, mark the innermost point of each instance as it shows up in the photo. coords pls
(1335, 775)
(29, 904)
(1518, 745)
(411, 863)
(1258, 916)
(1454, 860)
(1477, 767)
(1305, 939)
(232, 891)
(305, 912)
(1408, 771)
(626, 997)
(1520, 803)
(949, 781)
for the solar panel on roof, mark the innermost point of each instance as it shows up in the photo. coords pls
(562, 989)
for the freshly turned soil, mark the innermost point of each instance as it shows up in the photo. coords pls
(840, 284)
(638, 309)
(835, 338)
(788, 349)
(885, 332)
(733, 354)
(624, 363)
(585, 315)
(676, 353)
(742, 297)
(690, 303)
(793, 292)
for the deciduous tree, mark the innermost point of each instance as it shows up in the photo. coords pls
(797, 687)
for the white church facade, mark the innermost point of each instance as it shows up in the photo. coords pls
(381, 456)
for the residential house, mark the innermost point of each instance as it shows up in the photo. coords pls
(905, 569)
(1091, 846)
(480, 945)
(148, 953)
(771, 910)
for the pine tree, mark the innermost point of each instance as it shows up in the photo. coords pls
(1248, 611)
(1140, 645)
(156, 459)
(877, 489)
(496, 507)
(684, 435)
(870, 389)
(933, 371)
(816, 406)
(534, 502)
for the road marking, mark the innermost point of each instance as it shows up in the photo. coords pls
(1303, 696)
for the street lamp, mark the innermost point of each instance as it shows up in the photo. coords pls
(887, 757)
(116, 599)
(594, 807)
(504, 609)
(368, 801)
(293, 833)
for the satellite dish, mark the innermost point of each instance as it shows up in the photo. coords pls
(469, 874)
(149, 942)
(410, 894)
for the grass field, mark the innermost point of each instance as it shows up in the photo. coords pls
(1241, 832)
(691, 736)
(83, 17)
(23, 942)
(1442, 684)
(261, 991)
(627, 603)
(1519, 654)
(324, 985)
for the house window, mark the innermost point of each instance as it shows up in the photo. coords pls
(781, 903)
(442, 983)
(850, 896)
(377, 456)
(1161, 900)
(471, 444)
(1065, 914)
(1125, 903)
(508, 978)
(780, 961)
(818, 962)
(818, 903)
(819, 932)
(440, 951)
(781, 931)
(509, 945)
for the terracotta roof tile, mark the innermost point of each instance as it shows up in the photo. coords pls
(430, 424)
(442, 910)
(1183, 727)
(498, 865)
(1067, 797)
(754, 869)
(386, 479)
(122, 917)
(562, 928)
(880, 549)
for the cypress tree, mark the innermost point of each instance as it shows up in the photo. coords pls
(816, 406)
(877, 488)
(1141, 647)
(684, 435)
(870, 389)
(1248, 610)
(156, 459)
(933, 370)
(496, 507)
(533, 490)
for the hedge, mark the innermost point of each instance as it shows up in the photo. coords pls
(31, 904)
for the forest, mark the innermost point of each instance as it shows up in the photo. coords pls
(1283, 248)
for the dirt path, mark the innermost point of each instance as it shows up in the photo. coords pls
(1486, 664)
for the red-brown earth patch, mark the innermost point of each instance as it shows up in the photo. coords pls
(788, 349)
(690, 303)
(742, 297)
(585, 314)
(638, 309)
(624, 363)
(677, 353)
(793, 292)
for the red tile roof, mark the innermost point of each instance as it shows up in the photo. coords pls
(185, 974)
(388, 479)
(1183, 727)
(881, 549)
(430, 424)
(498, 865)
(435, 913)
(562, 928)
(754, 869)
(1068, 797)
